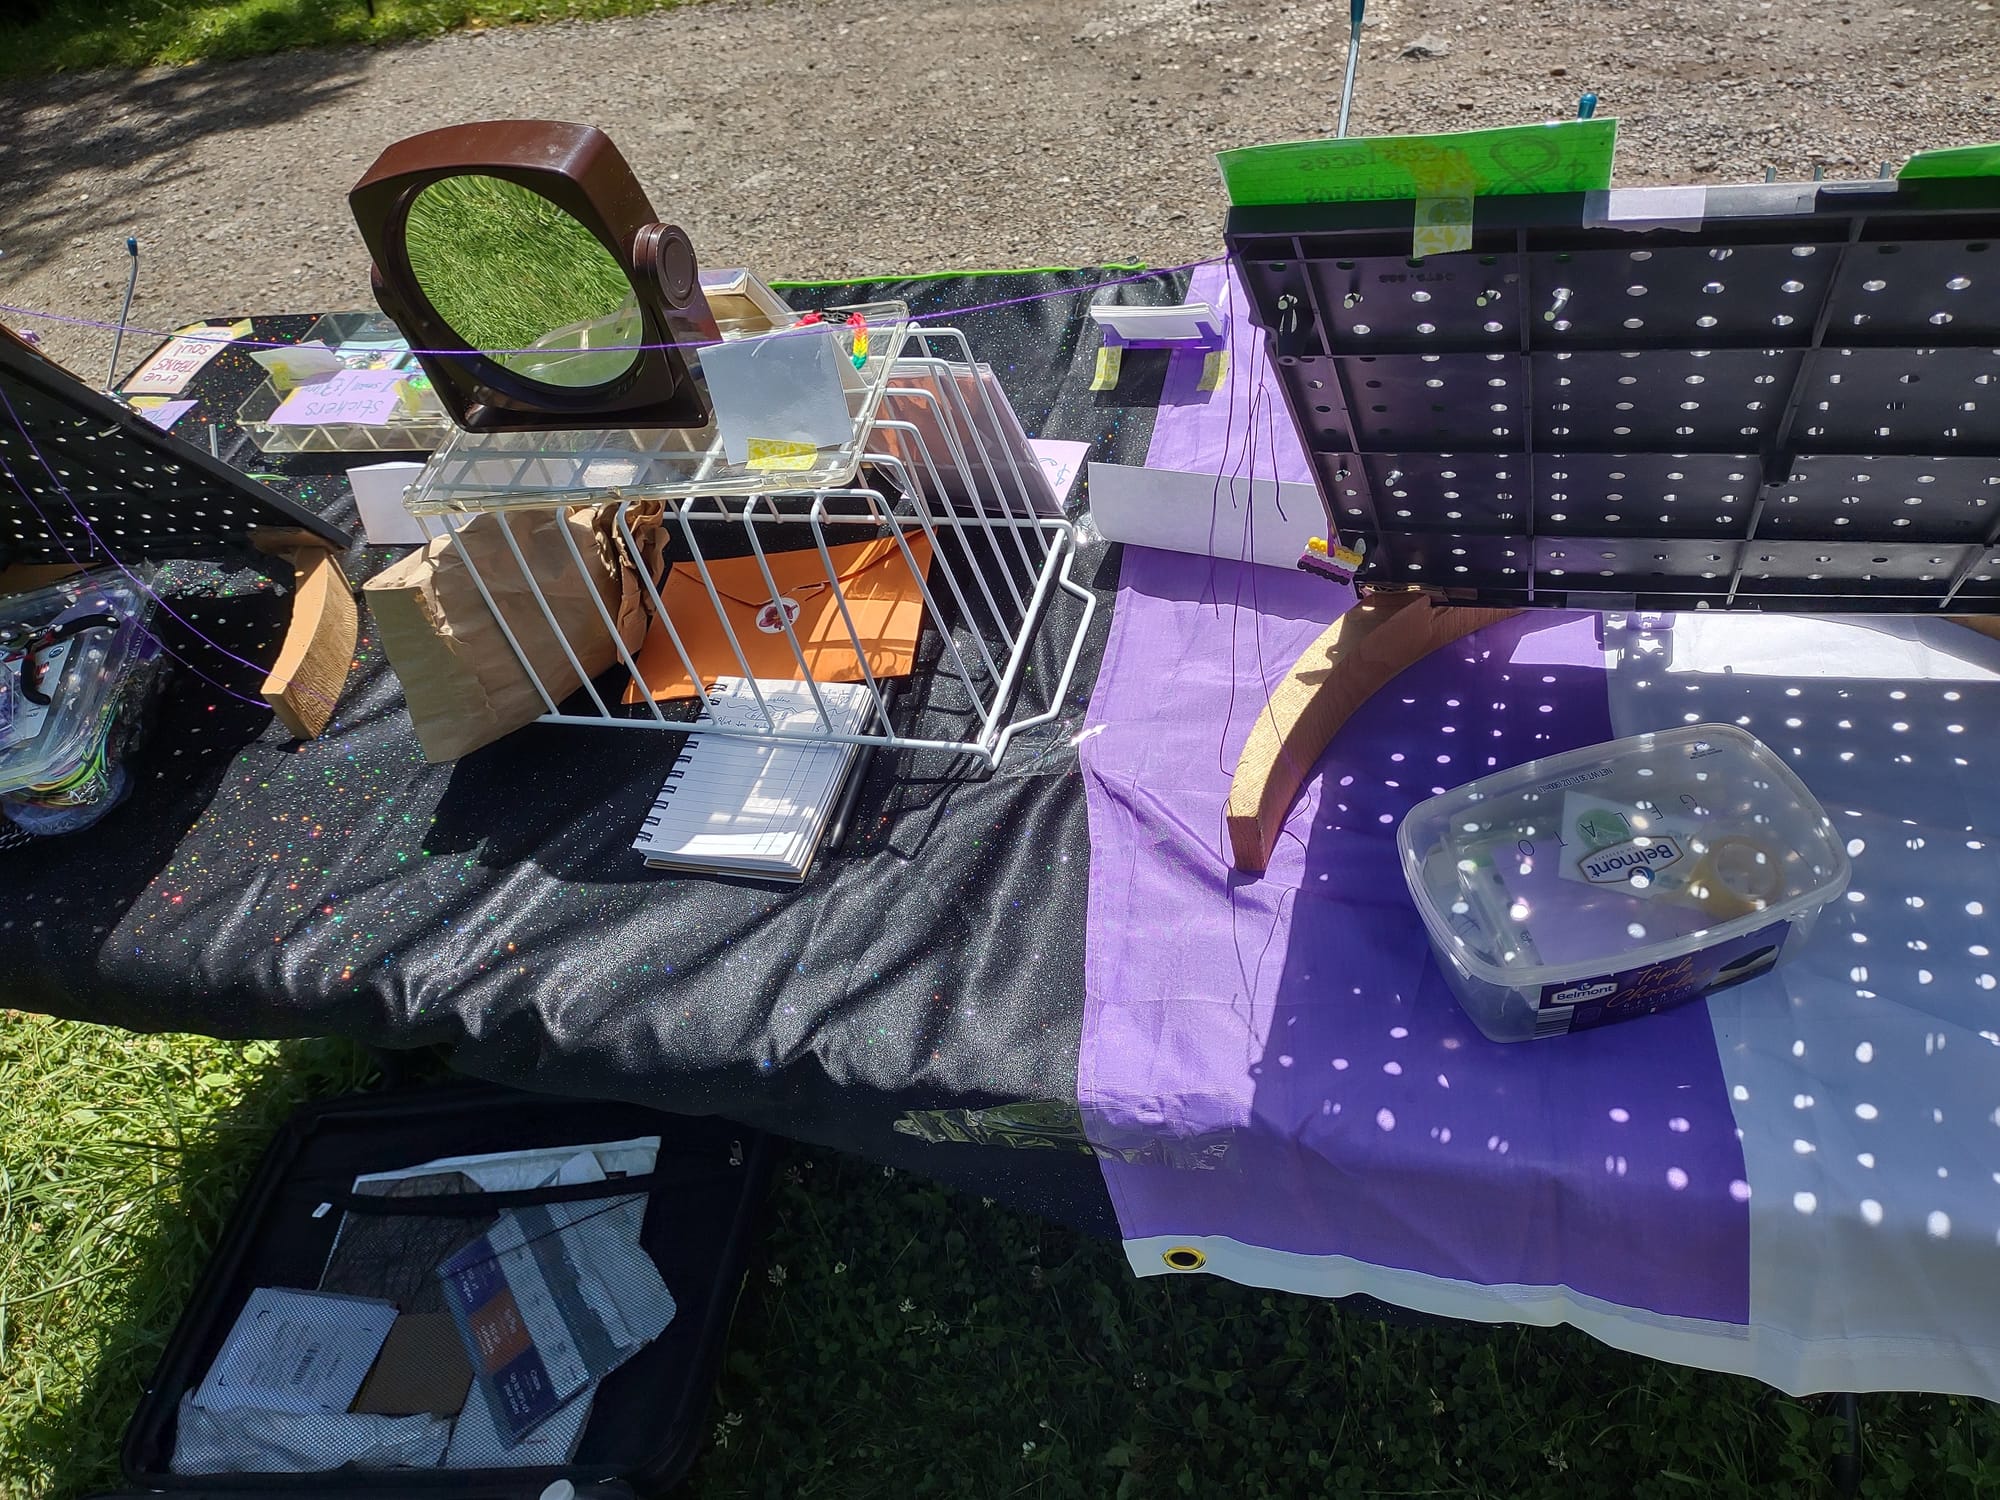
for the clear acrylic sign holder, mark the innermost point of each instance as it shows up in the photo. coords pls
(923, 465)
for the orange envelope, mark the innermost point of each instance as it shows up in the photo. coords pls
(883, 600)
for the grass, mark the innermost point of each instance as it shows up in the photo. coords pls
(50, 36)
(505, 268)
(119, 1158)
(898, 1338)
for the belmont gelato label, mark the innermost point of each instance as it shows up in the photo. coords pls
(1618, 864)
(1622, 846)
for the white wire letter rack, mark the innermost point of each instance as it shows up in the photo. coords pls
(934, 489)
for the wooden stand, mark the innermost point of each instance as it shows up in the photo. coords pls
(311, 670)
(1356, 656)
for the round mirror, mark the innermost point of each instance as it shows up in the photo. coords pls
(522, 281)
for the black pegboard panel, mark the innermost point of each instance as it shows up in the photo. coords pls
(1718, 296)
(1430, 402)
(1947, 499)
(1619, 494)
(1950, 286)
(1391, 304)
(74, 462)
(1475, 491)
(1673, 566)
(1788, 397)
(1662, 400)
(1914, 401)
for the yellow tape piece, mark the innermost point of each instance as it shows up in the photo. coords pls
(1214, 370)
(1108, 361)
(775, 453)
(1444, 225)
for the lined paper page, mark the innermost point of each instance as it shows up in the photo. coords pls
(742, 805)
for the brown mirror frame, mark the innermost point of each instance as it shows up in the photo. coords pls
(577, 168)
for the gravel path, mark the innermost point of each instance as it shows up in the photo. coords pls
(859, 136)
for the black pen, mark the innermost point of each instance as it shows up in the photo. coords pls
(850, 795)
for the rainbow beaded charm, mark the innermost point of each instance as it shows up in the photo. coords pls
(1336, 563)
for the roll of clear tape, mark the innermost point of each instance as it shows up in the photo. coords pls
(1736, 876)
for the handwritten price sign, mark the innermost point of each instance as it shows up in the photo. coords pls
(359, 398)
(181, 358)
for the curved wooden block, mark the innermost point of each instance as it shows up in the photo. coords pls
(311, 669)
(1356, 656)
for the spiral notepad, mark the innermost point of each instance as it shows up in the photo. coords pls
(747, 807)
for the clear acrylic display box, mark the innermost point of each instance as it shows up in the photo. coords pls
(527, 470)
(405, 432)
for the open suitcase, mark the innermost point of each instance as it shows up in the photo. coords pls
(645, 1423)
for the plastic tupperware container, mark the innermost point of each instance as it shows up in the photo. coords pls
(1619, 880)
(77, 665)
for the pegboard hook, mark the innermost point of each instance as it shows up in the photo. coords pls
(124, 314)
(1354, 13)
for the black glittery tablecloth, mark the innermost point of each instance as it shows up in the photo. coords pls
(918, 1000)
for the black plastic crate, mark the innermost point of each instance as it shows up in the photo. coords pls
(1779, 397)
(646, 1423)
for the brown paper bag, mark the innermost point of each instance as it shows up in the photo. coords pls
(648, 521)
(463, 683)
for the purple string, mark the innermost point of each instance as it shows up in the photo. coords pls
(957, 312)
(151, 635)
(129, 328)
(137, 582)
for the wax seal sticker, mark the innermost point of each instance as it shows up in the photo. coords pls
(771, 622)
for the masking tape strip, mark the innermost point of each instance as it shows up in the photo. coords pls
(775, 453)
(1444, 225)
(1683, 208)
(1737, 876)
(1109, 359)
(1214, 370)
